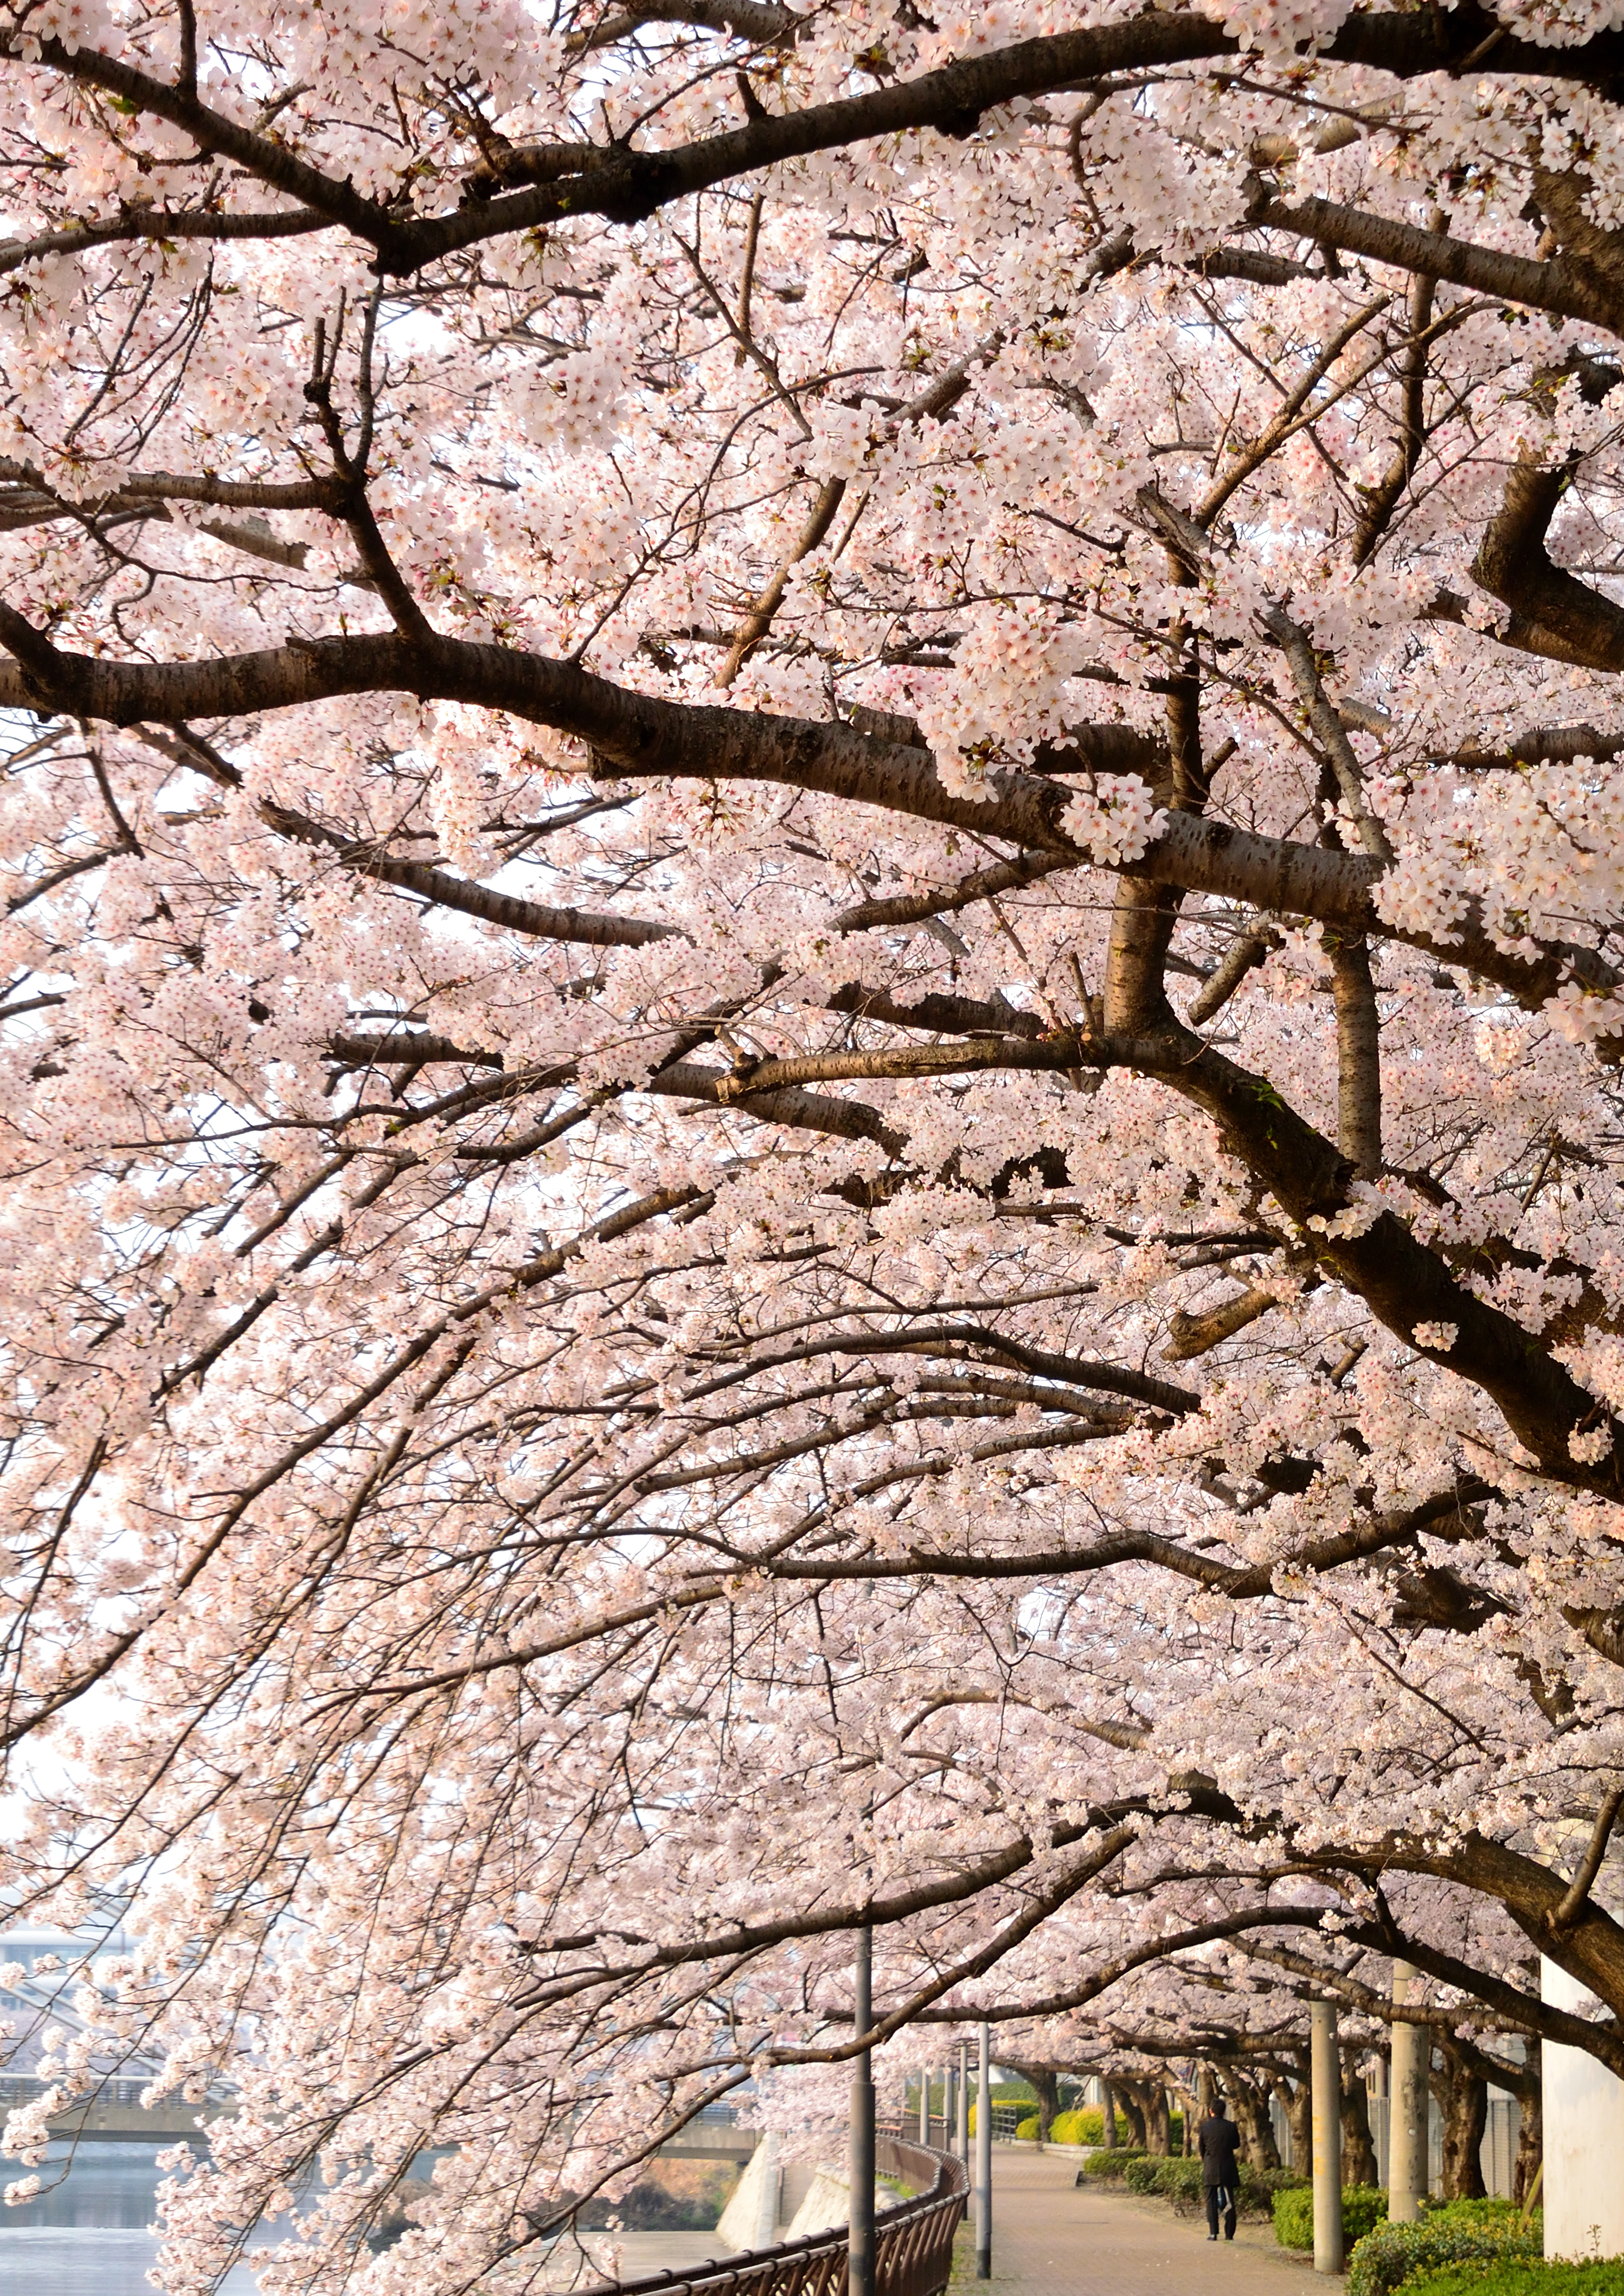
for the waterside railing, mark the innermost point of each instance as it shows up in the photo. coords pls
(913, 2242)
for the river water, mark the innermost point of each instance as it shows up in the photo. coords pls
(92, 2236)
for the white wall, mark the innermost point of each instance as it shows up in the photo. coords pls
(1584, 2139)
(751, 2218)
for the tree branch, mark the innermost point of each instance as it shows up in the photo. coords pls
(1590, 1865)
(640, 736)
(1555, 286)
(1359, 1054)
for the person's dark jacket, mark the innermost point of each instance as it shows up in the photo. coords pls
(1217, 2140)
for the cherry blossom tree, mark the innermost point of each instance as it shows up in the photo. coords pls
(811, 1013)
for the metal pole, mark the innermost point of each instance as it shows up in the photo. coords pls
(983, 2162)
(949, 2107)
(962, 2140)
(924, 2105)
(1326, 2068)
(860, 2238)
(1407, 2108)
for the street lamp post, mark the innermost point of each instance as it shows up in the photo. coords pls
(983, 2163)
(860, 2268)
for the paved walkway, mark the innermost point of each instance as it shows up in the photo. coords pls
(1050, 2239)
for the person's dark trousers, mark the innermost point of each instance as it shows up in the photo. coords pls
(1219, 2197)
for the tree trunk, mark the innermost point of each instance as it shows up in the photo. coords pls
(1156, 2135)
(1464, 2101)
(1297, 2102)
(1045, 2081)
(1358, 2147)
(1133, 2112)
(1108, 2090)
(1530, 2132)
(1251, 2098)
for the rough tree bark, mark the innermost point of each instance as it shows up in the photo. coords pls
(1250, 2100)
(1463, 2098)
(1133, 2112)
(1297, 2102)
(1045, 2080)
(1530, 2132)
(1358, 2147)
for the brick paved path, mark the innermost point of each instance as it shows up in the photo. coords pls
(1049, 2239)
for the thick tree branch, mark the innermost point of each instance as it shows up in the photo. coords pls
(1406, 1285)
(1556, 286)
(149, 224)
(1553, 612)
(1377, 1535)
(1359, 1054)
(1590, 1865)
(640, 736)
(627, 186)
(1383, 498)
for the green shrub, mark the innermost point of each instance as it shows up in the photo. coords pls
(1028, 2126)
(1270, 2181)
(1259, 2187)
(1522, 2277)
(1392, 2252)
(1293, 2214)
(1111, 2167)
(1179, 2180)
(1364, 2207)
(1085, 2124)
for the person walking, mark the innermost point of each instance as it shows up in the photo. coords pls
(1218, 2141)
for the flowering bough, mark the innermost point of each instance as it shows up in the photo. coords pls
(809, 1069)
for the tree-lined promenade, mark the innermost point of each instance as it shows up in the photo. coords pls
(811, 1004)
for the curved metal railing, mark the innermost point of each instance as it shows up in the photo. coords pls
(912, 2242)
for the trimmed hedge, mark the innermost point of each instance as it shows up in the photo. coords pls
(1084, 2125)
(1364, 2208)
(1029, 2126)
(1266, 2182)
(1025, 2097)
(1180, 2181)
(1525, 2277)
(1477, 2212)
(1392, 2252)
(1111, 2167)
